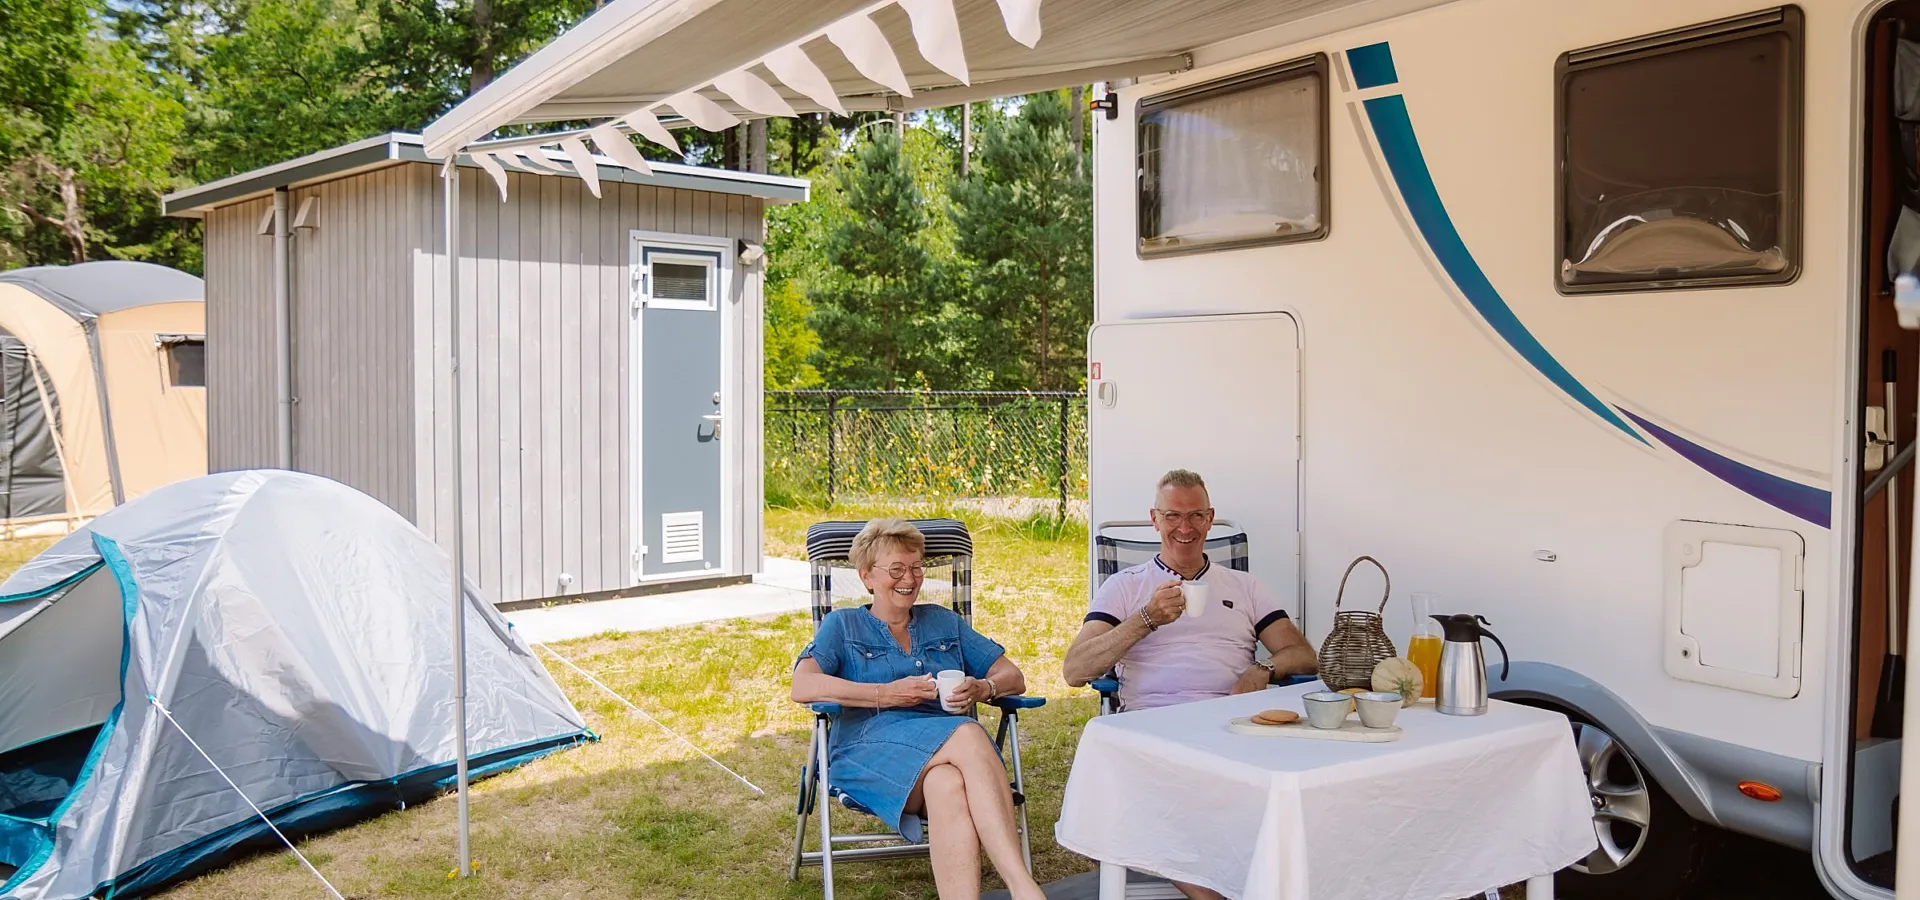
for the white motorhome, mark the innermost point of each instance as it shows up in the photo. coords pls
(1574, 313)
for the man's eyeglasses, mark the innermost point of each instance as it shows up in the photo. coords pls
(1195, 518)
(897, 572)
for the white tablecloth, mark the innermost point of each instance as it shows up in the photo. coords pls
(1459, 804)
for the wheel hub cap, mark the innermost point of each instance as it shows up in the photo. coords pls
(1622, 802)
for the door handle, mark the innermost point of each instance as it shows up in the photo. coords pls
(714, 420)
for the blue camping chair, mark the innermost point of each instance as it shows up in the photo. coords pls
(829, 545)
(1226, 545)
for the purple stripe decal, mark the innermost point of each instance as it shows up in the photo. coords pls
(1804, 501)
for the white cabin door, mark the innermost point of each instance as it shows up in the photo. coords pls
(1219, 395)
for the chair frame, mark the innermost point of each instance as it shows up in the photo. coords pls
(815, 780)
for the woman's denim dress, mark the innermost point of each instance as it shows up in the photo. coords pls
(876, 755)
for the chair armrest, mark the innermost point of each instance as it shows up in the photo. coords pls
(1105, 685)
(1017, 701)
(825, 709)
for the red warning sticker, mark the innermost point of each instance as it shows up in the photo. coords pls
(1093, 371)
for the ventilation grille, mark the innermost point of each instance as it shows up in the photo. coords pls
(683, 537)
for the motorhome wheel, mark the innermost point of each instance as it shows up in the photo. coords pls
(1649, 847)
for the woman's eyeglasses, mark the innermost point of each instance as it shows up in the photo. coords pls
(897, 572)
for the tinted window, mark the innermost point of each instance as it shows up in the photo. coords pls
(1680, 162)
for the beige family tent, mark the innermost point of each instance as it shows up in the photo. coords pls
(102, 388)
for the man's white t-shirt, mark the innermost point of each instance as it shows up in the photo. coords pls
(1190, 658)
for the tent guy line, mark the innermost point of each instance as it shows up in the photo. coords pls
(629, 704)
(243, 795)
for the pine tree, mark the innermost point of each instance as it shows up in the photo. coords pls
(875, 315)
(1024, 222)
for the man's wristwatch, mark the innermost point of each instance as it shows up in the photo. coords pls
(1147, 620)
(1269, 667)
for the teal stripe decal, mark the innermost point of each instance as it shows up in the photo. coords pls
(1394, 130)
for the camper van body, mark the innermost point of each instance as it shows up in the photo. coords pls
(1648, 492)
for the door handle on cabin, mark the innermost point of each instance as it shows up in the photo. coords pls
(714, 420)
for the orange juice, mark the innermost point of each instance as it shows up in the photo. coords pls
(1423, 650)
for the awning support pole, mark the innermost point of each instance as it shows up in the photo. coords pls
(456, 526)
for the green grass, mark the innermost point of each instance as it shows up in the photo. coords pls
(638, 814)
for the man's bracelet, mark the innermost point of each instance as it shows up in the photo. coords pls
(1144, 620)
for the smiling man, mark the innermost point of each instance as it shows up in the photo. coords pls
(1139, 623)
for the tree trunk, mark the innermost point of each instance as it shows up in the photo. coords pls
(481, 66)
(966, 139)
(757, 145)
(1046, 325)
(1079, 128)
(72, 224)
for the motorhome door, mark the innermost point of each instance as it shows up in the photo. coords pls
(1219, 395)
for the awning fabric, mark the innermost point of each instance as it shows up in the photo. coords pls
(646, 67)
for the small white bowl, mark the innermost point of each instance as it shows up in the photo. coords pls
(1378, 708)
(1327, 709)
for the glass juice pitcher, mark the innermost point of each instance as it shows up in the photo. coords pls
(1423, 649)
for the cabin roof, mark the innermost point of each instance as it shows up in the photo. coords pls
(400, 147)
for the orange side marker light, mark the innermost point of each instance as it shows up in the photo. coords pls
(1764, 793)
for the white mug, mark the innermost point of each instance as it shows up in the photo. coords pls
(1196, 594)
(949, 681)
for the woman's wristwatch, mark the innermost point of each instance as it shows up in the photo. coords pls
(993, 690)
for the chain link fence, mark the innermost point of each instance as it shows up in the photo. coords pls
(827, 445)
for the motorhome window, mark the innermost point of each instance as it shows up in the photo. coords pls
(1680, 159)
(186, 361)
(1235, 163)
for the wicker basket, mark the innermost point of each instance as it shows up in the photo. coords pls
(1359, 639)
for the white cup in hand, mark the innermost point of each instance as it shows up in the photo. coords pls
(949, 681)
(1195, 593)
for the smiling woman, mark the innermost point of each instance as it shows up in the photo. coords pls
(895, 750)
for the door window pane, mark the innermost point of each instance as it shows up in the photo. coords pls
(1235, 165)
(680, 281)
(1680, 163)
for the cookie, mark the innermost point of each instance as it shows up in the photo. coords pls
(1275, 717)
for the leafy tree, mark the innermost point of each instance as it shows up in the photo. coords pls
(86, 151)
(1023, 219)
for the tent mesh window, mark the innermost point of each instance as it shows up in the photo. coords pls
(186, 362)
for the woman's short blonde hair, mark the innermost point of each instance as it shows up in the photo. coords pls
(882, 535)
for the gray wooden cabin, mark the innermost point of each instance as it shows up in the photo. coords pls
(612, 385)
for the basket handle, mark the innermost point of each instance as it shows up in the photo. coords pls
(1355, 564)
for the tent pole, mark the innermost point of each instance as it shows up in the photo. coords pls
(451, 192)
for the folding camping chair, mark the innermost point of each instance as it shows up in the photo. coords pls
(830, 544)
(1226, 545)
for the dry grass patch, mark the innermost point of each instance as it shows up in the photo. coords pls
(640, 814)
